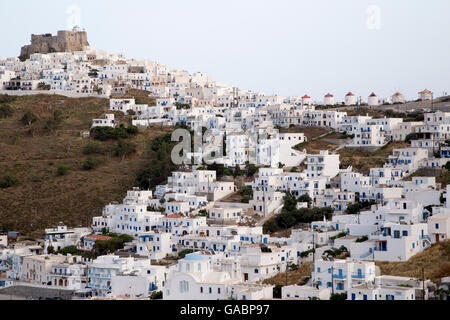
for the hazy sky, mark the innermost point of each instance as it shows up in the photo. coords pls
(285, 47)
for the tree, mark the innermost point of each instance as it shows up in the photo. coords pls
(6, 111)
(447, 165)
(237, 171)
(277, 291)
(305, 198)
(90, 163)
(50, 250)
(69, 250)
(53, 123)
(442, 198)
(160, 166)
(251, 169)
(124, 149)
(29, 118)
(133, 130)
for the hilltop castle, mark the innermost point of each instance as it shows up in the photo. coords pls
(64, 41)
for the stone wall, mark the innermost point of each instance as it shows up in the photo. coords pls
(64, 41)
(37, 293)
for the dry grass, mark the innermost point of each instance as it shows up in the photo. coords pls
(362, 160)
(314, 147)
(435, 260)
(141, 97)
(42, 198)
(294, 276)
(310, 132)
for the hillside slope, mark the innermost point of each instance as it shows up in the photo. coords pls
(435, 260)
(33, 153)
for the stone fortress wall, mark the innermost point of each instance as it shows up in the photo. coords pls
(64, 41)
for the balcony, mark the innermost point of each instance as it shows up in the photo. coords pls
(357, 276)
(340, 276)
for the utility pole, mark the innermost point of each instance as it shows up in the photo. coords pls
(314, 249)
(432, 102)
(423, 283)
(332, 280)
(287, 269)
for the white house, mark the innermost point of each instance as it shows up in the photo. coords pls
(107, 122)
(439, 227)
(305, 293)
(340, 275)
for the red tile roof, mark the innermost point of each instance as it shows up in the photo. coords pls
(329, 95)
(349, 94)
(174, 216)
(97, 237)
(306, 97)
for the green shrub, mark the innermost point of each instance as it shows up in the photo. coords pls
(4, 98)
(133, 130)
(184, 253)
(160, 165)
(339, 235)
(91, 163)
(93, 148)
(69, 250)
(246, 191)
(245, 199)
(156, 295)
(356, 207)
(53, 123)
(108, 133)
(124, 148)
(339, 296)
(6, 111)
(362, 239)
(291, 216)
(62, 170)
(8, 180)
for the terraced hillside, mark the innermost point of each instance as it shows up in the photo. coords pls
(33, 150)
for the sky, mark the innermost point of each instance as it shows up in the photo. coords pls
(285, 47)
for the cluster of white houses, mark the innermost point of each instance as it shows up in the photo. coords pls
(230, 258)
